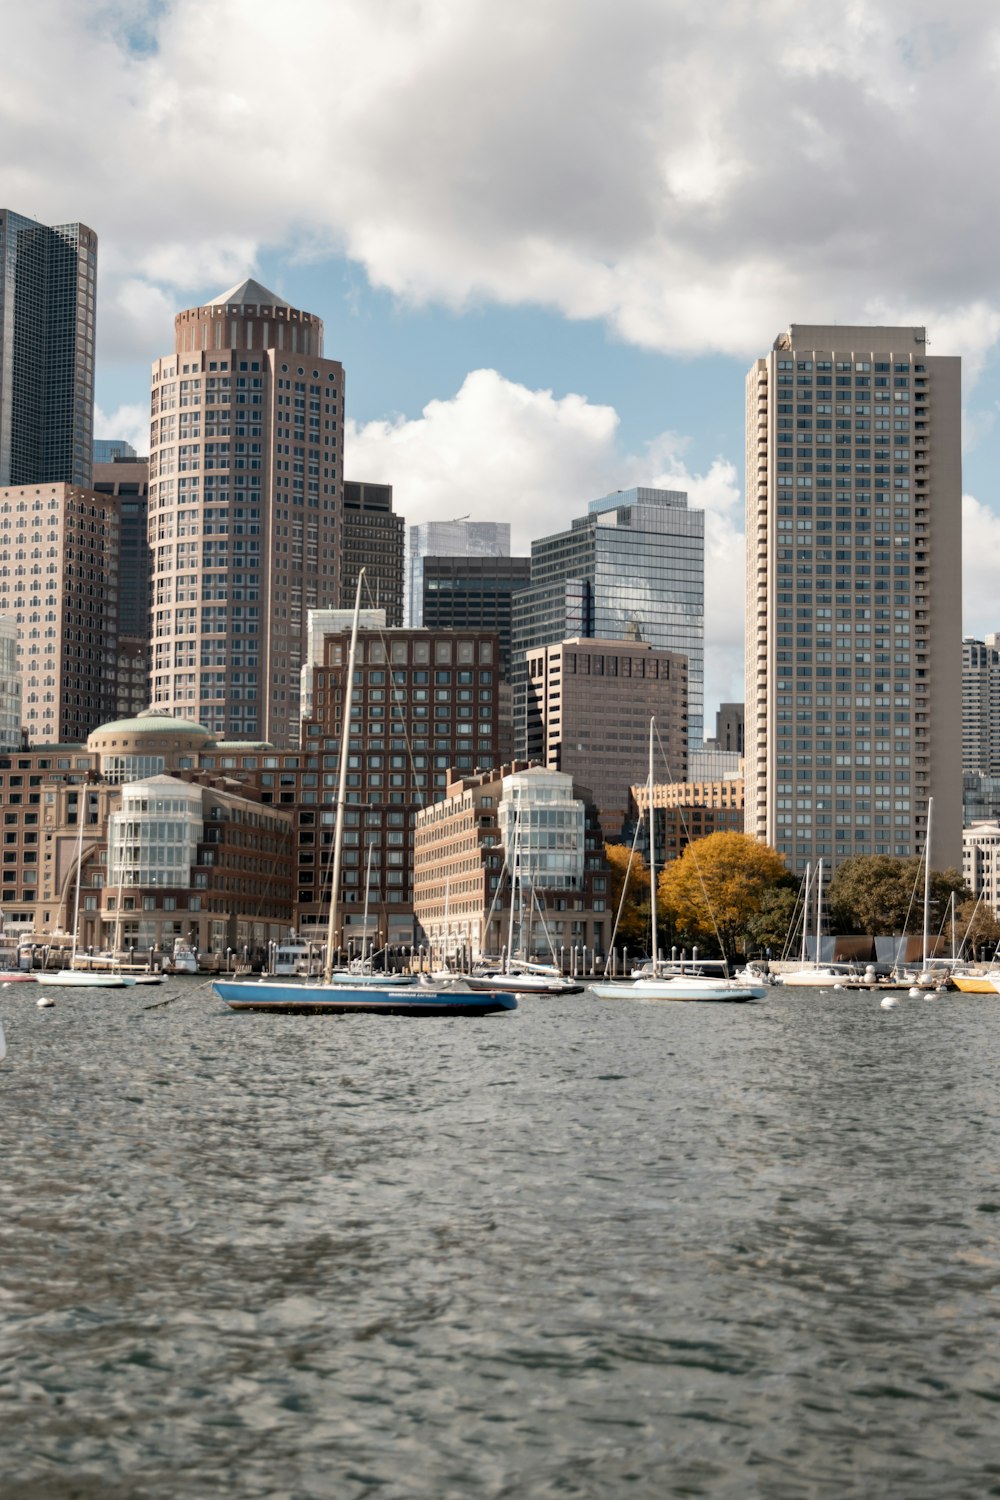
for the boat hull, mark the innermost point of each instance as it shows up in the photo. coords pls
(523, 984)
(80, 979)
(976, 984)
(342, 1000)
(721, 992)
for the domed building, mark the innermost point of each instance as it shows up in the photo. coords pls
(170, 848)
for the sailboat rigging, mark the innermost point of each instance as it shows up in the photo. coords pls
(345, 993)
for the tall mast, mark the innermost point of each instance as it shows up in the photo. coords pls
(652, 848)
(338, 836)
(927, 880)
(819, 909)
(805, 914)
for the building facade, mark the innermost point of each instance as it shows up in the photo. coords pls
(373, 538)
(48, 289)
(683, 812)
(458, 538)
(854, 592)
(524, 818)
(10, 685)
(425, 705)
(127, 478)
(245, 496)
(632, 569)
(109, 450)
(59, 549)
(589, 703)
(981, 862)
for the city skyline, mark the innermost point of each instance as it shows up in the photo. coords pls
(557, 324)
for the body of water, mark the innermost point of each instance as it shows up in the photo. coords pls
(587, 1249)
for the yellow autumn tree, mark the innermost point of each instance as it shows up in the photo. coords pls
(713, 892)
(633, 928)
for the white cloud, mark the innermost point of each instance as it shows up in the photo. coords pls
(129, 422)
(980, 544)
(498, 451)
(697, 177)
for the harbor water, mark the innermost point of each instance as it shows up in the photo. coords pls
(586, 1249)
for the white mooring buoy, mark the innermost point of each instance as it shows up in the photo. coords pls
(45, 1002)
(889, 1002)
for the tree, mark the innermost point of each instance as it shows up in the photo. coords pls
(876, 894)
(717, 887)
(770, 927)
(976, 927)
(633, 928)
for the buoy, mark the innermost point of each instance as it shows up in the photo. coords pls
(889, 1002)
(838, 986)
(914, 993)
(44, 1002)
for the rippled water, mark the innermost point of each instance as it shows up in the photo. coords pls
(588, 1249)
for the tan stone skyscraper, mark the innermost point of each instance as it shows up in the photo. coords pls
(245, 494)
(854, 595)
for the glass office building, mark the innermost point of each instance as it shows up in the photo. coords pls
(458, 538)
(48, 283)
(632, 568)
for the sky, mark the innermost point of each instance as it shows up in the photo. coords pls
(546, 240)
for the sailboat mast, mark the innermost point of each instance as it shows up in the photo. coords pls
(652, 849)
(81, 807)
(338, 836)
(805, 914)
(515, 879)
(927, 881)
(819, 909)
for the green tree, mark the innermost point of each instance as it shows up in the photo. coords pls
(770, 926)
(633, 927)
(876, 894)
(976, 927)
(714, 891)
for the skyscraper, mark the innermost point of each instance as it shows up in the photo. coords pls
(854, 595)
(632, 568)
(245, 494)
(48, 281)
(128, 478)
(981, 705)
(458, 538)
(373, 538)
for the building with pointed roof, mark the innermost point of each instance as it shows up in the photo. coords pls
(245, 510)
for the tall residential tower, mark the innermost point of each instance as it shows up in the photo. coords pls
(48, 284)
(245, 495)
(854, 595)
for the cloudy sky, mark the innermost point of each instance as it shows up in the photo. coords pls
(546, 239)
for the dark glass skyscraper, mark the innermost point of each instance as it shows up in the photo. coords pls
(48, 281)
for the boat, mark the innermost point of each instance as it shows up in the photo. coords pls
(73, 977)
(814, 975)
(348, 993)
(670, 981)
(15, 976)
(184, 959)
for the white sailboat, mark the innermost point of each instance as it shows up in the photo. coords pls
(668, 981)
(814, 975)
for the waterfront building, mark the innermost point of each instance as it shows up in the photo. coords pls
(981, 862)
(425, 706)
(197, 855)
(981, 705)
(631, 569)
(48, 287)
(465, 842)
(127, 478)
(108, 450)
(245, 496)
(980, 798)
(854, 593)
(589, 703)
(684, 811)
(59, 548)
(458, 538)
(373, 538)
